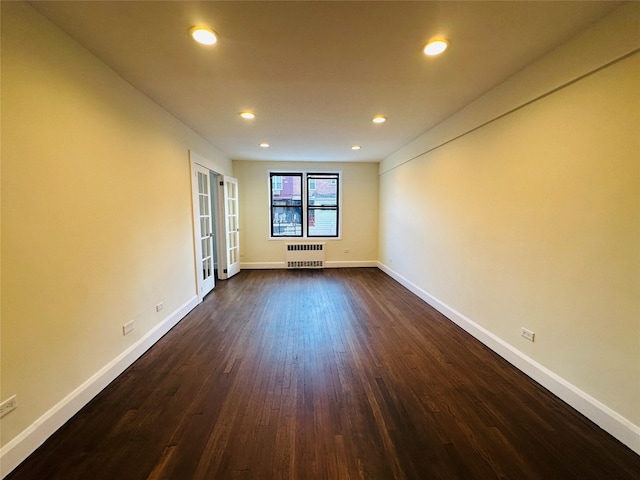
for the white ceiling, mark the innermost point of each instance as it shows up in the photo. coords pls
(316, 72)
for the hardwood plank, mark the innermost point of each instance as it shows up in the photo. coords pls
(328, 374)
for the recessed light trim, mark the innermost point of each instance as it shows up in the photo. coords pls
(379, 119)
(264, 145)
(356, 147)
(203, 35)
(247, 115)
(435, 47)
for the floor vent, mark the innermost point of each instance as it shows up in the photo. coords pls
(304, 255)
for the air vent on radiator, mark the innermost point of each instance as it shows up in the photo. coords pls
(304, 255)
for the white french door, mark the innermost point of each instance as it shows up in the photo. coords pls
(228, 195)
(203, 229)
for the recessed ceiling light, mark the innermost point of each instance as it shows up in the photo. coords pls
(356, 147)
(203, 35)
(248, 115)
(435, 47)
(264, 145)
(379, 119)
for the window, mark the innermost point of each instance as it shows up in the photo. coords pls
(304, 205)
(322, 205)
(286, 205)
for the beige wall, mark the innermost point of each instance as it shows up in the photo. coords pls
(534, 219)
(359, 213)
(96, 214)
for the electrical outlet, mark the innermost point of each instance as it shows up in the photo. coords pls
(159, 306)
(528, 334)
(127, 327)
(346, 250)
(8, 406)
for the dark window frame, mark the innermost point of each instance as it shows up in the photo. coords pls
(335, 178)
(273, 205)
(304, 206)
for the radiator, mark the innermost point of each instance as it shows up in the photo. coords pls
(304, 255)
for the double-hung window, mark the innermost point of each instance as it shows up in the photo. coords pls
(286, 204)
(305, 204)
(322, 204)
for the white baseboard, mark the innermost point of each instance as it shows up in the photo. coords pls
(603, 416)
(282, 265)
(18, 449)
(261, 265)
(355, 264)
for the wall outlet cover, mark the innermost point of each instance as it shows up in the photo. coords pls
(528, 334)
(127, 327)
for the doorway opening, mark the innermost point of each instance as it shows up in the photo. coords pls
(215, 226)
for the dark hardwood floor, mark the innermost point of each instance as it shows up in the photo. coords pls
(330, 374)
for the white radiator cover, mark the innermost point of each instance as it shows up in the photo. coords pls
(304, 255)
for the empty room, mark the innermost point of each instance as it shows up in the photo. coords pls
(320, 239)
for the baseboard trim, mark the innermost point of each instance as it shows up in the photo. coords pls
(606, 418)
(261, 265)
(354, 264)
(19, 448)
